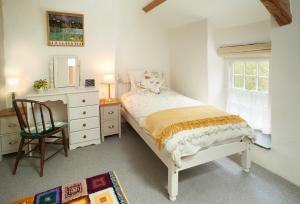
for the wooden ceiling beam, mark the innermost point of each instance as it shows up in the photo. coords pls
(280, 10)
(152, 5)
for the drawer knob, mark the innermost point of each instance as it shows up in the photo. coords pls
(13, 142)
(84, 137)
(111, 112)
(111, 126)
(83, 100)
(12, 125)
(84, 125)
(84, 112)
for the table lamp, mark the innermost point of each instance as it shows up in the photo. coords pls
(11, 87)
(109, 79)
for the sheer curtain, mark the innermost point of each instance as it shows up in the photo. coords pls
(252, 106)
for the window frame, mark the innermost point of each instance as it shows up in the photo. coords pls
(245, 61)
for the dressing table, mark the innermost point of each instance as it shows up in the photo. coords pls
(81, 103)
(83, 113)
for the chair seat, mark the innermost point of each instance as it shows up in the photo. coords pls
(40, 131)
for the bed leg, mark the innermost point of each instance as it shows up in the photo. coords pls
(246, 159)
(172, 182)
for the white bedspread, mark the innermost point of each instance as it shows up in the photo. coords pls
(141, 104)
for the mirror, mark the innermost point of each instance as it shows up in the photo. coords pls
(65, 71)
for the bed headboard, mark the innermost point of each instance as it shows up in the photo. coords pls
(123, 84)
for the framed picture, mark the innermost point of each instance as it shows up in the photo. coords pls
(65, 29)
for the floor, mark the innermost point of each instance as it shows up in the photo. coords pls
(144, 177)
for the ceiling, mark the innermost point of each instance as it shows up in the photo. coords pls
(222, 13)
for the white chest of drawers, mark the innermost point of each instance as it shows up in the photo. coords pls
(83, 113)
(110, 118)
(9, 132)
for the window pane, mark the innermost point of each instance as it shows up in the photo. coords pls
(251, 68)
(250, 83)
(239, 68)
(263, 84)
(264, 69)
(238, 81)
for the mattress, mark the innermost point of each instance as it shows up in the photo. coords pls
(140, 104)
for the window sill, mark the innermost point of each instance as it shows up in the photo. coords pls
(263, 140)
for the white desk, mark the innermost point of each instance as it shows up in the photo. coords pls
(83, 113)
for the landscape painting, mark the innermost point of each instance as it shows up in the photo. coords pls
(65, 29)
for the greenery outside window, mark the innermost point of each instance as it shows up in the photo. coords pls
(251, 75)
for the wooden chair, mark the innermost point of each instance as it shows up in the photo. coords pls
(39, 133)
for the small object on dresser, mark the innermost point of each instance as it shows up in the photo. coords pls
(89, 82)
(110, 117)
(40, 85)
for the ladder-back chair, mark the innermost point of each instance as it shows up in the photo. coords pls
(36, 131)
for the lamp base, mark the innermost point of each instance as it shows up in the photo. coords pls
(109, 99)
(13, 97)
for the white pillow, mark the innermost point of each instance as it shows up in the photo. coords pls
(134, 77)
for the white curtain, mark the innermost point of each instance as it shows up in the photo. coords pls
(253, 106)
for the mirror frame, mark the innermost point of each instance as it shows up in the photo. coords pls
(53, 71)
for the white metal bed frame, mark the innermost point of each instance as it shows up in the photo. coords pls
(204, 156)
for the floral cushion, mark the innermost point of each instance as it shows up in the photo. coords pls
(151, 81)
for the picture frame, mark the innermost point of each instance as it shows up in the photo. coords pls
(65, 29)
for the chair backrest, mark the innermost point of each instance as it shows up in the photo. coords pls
(36, 111)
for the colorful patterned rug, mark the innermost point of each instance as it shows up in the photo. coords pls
(101, 189)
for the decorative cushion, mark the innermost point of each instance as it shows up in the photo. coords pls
(151, 81)
(39, 131)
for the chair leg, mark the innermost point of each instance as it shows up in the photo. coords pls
(42, 152)
(65, 142)
(19, 155)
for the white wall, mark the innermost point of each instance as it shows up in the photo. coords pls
(117, 36)
(141, 42)
(188, 60)
(244, 34)
(216, 71)
(2, 81)
(196, 69)
(283, 159)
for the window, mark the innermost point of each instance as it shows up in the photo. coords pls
(251, 75)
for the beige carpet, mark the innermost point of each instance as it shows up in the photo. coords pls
(144, 176)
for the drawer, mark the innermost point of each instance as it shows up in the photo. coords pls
(10, 143)
(83, 99)
(111, 112)
(9, 125)
(110, 127)
(85, 135)
(84, 124)
(83, 112)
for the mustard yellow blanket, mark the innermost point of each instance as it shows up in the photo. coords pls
(163, 124)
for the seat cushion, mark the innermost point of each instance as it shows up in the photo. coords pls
(39, 131)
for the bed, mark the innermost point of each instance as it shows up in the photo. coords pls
(178, 152)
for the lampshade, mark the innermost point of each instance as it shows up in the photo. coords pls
(108, 78)
(12, 84)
